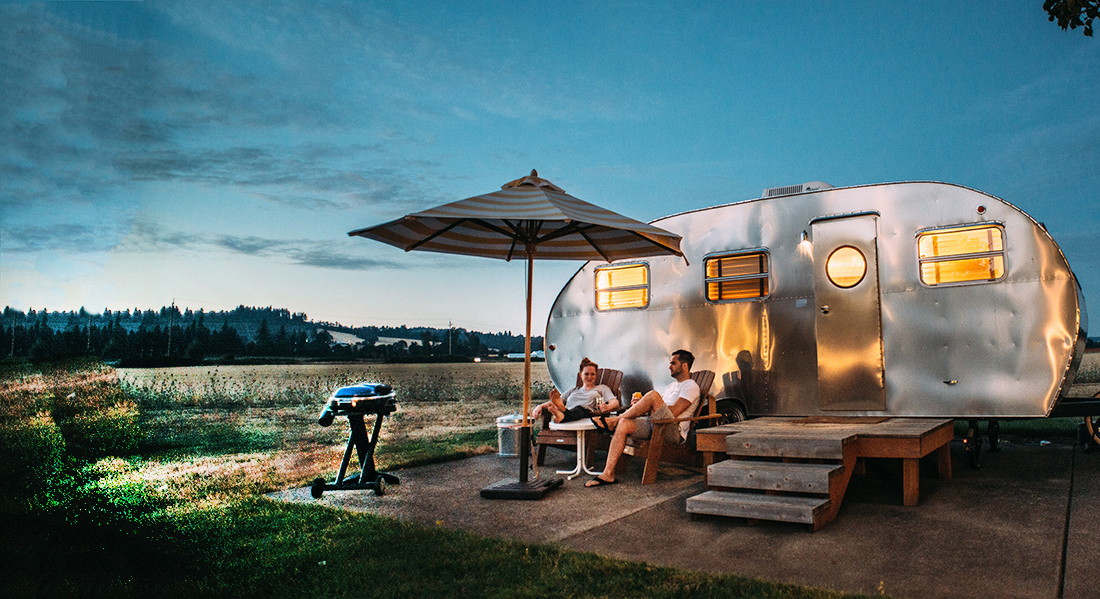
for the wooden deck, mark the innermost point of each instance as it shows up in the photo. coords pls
(800, 442)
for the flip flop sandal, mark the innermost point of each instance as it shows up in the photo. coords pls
(600, 423)
(599, 482)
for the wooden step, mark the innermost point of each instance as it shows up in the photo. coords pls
(773, 476)
(781, 508)
(829, 447)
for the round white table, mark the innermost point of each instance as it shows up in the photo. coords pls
(581, 427)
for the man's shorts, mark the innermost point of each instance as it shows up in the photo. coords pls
(643, 428)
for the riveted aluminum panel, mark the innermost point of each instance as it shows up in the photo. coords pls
(1005, 348)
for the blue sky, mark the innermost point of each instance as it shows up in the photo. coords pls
(217, 153)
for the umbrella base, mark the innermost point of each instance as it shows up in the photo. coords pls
(531, 490)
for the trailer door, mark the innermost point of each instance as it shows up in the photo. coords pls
(849, 318)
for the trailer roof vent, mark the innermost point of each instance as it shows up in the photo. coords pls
(772, 192)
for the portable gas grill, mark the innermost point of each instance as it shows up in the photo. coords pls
(356, 402)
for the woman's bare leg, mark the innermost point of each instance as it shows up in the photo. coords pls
(556, 412)
(555, 403)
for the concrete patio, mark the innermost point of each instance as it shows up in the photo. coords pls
(1021, 526)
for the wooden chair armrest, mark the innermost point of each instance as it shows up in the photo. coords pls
(692, 419)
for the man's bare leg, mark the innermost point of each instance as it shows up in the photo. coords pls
(615, 450)
(642, 407)
(624, 425)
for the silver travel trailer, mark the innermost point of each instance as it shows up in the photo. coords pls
(920, 299)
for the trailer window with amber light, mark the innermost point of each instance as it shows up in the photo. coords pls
(736, 276)
(961, 255)
(625, 286)
(845, 267)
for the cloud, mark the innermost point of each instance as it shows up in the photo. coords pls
(149, 237)
(90, 115)
(316, 107)
(323, 257)
(75, 238)
(424, 64)
(306, 176)
(69, 93)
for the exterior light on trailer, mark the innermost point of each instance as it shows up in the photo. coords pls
(981, 209)
(804, 245)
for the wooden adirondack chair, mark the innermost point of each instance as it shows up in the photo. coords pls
(656, 450)
(568, 439)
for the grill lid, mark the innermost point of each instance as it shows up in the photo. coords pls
(363, 389)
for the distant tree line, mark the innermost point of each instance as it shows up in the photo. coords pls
(149, 336)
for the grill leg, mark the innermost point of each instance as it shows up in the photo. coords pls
(368, 472)
(347, 458)
(365, 445)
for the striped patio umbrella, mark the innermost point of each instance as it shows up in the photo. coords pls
(528, 216)
(533, 218)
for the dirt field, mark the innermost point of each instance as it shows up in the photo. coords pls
(434, 399)
(1088, 376)
(273, 378)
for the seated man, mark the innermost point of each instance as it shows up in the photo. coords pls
(678, 399)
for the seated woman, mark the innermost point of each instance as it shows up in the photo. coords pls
(582, 401)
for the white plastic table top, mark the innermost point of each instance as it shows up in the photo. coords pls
(584, 424)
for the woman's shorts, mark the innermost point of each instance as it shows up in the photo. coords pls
(576, 413)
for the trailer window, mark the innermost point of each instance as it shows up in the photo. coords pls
(961, 255)
(846, 267)
(736, 276)
(625, 286)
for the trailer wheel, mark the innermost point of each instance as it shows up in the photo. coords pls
(993, 429)
(973, 443)
(730, 410)
(318, 488)
(1092, 427)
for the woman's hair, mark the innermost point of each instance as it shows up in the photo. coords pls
(585, 363)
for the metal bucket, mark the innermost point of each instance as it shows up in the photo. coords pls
(508, 428)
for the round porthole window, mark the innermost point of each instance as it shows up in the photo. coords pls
(846, 267)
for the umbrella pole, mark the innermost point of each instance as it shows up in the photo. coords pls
(524, 489)
(525, 431)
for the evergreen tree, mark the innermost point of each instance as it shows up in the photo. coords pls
(263, 339)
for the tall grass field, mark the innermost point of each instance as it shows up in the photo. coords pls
(151, 483)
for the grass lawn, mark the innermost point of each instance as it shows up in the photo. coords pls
(109, 493)
(253, 547)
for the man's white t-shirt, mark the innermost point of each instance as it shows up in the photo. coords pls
(689, 390)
